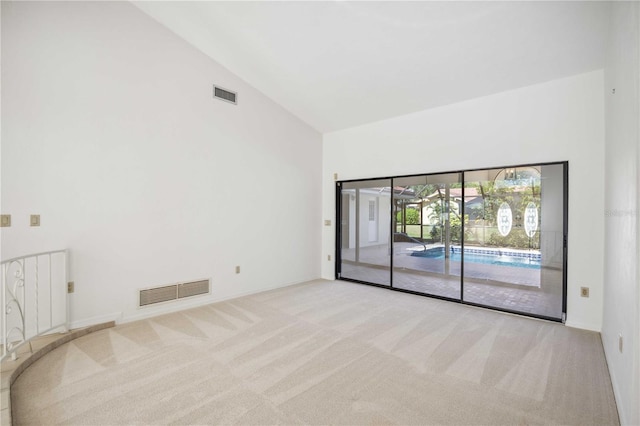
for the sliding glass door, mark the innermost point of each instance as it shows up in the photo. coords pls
(427, 209)
(514, 245)
(365, 224)
(494, 237)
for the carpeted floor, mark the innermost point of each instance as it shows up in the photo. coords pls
(323, 353)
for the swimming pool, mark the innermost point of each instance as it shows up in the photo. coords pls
(488, 257)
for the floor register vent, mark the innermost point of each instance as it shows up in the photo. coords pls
(150, 296)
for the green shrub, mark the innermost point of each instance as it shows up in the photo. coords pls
(517, 238)
(455, 229)
(412, 217)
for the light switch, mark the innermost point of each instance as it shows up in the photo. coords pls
(35, 220)
(327, 222)
(5, 220)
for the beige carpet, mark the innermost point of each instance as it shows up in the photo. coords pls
(323, 353)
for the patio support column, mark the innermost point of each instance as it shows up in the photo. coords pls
(447, 229)
(421, 223)
(357, 225)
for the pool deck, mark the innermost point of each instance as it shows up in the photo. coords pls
(526, 290)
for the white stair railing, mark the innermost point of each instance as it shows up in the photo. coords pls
(34, 298)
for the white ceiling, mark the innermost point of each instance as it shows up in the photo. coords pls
(340, 64)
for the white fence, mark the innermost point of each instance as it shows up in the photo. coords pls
(34, 298)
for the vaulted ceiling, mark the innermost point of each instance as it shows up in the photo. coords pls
(340, 64)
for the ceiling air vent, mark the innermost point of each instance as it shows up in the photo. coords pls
(225, 95)
(151, 296)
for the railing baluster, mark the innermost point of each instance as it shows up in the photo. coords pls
(4, 314)
(16, 307)
(50, 294)
(65, 295)
(37, 284)
(22, 309)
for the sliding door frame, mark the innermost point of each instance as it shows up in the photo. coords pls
(565, 230)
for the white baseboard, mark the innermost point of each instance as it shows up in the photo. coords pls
(616, 390)
(197, 302)
(620, 405)
(583, 326)
(114, 316)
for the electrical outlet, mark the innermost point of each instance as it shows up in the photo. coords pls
(584, 291)
(329, 257)
(327, 222)
(71, 287)
(237, 269)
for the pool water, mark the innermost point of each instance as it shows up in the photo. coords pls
(504, 259)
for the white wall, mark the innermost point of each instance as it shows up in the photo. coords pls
(551, 216)
(111, 134)
(556, 121)
(622, 231)
(1, 209)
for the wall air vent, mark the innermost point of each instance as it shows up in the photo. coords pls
(225, 95)
(151, 296)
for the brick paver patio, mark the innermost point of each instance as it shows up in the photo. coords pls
(520, 289)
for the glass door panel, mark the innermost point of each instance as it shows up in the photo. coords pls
(365, 228)
(426, 218)
(513, 239)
